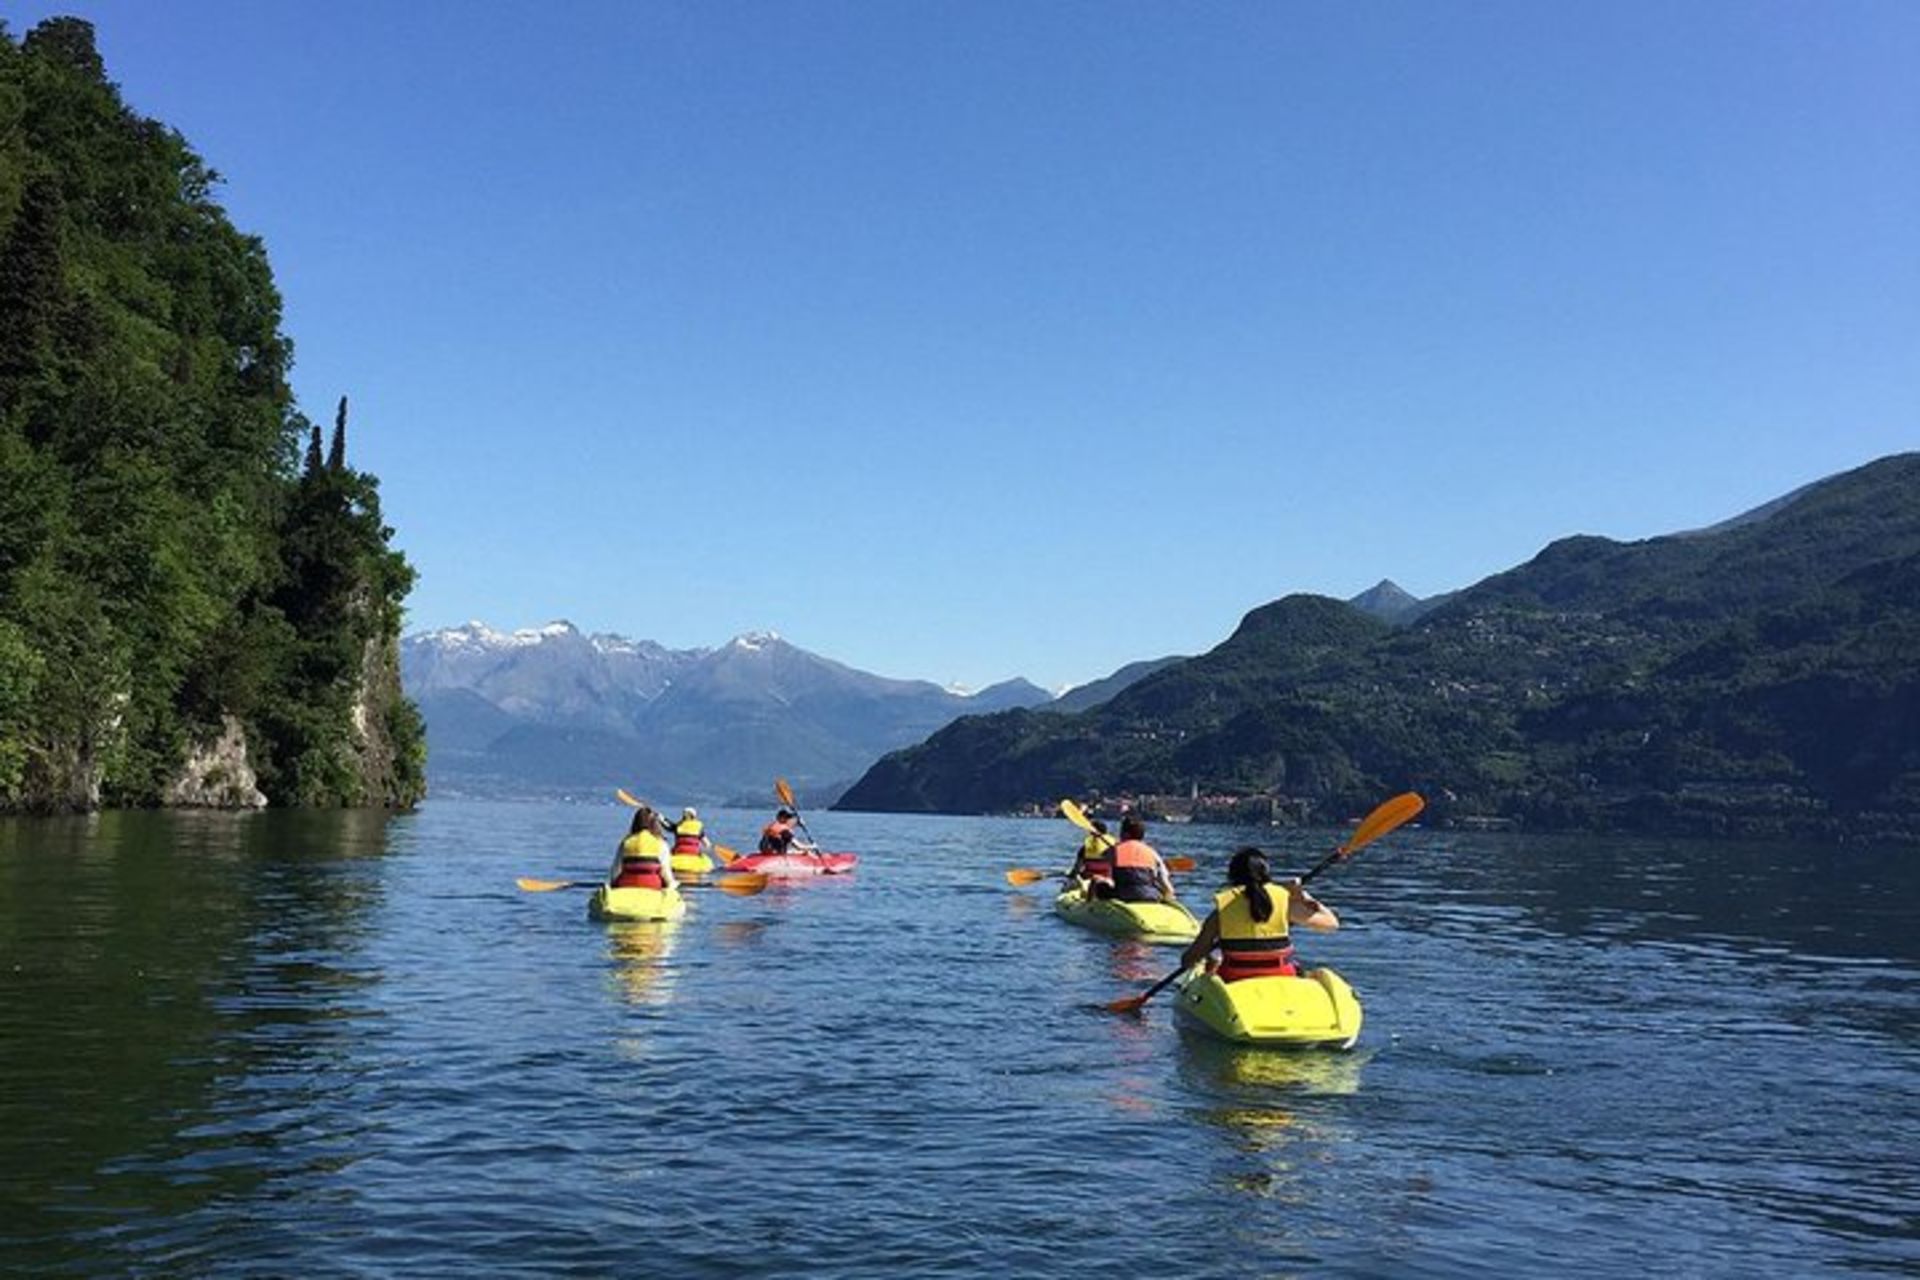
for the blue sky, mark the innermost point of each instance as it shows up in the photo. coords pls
(970, 340)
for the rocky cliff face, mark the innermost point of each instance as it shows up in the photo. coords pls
(217, 774)
(390, 757)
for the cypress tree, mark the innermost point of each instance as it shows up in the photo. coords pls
(313, 451)
(337, 456)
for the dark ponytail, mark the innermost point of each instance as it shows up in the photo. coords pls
(1249, 870)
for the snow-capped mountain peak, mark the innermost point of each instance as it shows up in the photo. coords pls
(754, 641)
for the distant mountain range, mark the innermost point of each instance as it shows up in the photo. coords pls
(1760, 677)
(554, 709)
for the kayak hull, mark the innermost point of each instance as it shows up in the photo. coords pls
(796, 866)
(636, 904)
(1168, 923)
(691, 864)
(1317, 1010)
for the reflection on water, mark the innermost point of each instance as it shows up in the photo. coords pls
(1263, 1102)
(174, 979)
(738, 933)
(1321, 1072)
(640, 953)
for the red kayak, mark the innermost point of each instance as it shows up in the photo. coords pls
(786, 866)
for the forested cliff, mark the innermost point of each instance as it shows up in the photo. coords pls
(198, 603)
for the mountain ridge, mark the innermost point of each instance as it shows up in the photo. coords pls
(1589, 687)
(552, 707)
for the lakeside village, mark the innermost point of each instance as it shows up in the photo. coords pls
(1264, 810)
(1260, 810)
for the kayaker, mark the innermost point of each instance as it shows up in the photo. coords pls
(778, 836)
(690, 834)
(1251, 918)
(1094, 861)
(1139, 873)
(641, 861)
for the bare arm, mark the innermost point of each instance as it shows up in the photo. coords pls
(1305, 909)
(1209, 938)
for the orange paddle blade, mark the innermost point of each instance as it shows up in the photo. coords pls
(1389, 815)
(626, 799)
(1179, 863)
(1026, 875)
(544, 886)
(743, 884)
(1132, 1004)
(785, 792)
(726, 855)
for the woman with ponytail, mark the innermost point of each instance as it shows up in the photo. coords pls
(1251, 920)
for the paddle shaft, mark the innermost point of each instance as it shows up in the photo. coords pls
(1388, 815)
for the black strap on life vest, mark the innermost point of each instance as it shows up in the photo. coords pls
(1256, 944)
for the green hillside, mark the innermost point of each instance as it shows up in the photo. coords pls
(180, 565)
(1756, 679)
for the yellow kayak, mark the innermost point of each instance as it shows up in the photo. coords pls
(691, 864)
(636, 904)
(1163, 922)
(1315, 1010)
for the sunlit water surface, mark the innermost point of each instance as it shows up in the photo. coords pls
(345, 1044)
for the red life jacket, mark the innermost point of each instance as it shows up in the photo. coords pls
(1252, 948)
(640, 862)
(1096, 858)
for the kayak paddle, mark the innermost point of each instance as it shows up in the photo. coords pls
(1390, 814)
(1034, 875)
(548, 886)
(741, 884)
(785, 792)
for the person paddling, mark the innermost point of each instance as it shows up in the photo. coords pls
(641, 861)
(690, 834)
(1250, 922)
(1139, 874)
(778, 837)
(1094, 861)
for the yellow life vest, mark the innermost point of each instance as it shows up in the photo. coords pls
(1238, 925)
(642, 844)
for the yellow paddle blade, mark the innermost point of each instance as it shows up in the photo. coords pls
(1026, 875)
(1180, 863)
(725, 854)
(626, 799)
(743, 883)
(1389, 815)
(544, 886)
(1074, 814)
(785, 792)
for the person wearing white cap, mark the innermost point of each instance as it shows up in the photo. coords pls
(690, 834)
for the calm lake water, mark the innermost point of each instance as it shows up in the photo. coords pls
(345, 1044)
